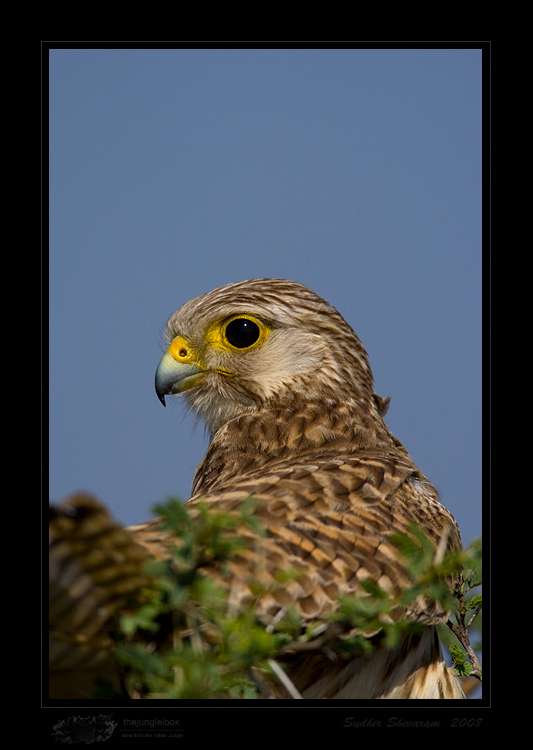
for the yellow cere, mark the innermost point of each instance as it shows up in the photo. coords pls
(181, 351)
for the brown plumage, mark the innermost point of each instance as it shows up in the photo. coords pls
(94, 566)
(284, 386)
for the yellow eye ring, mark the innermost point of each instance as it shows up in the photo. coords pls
(244, 332)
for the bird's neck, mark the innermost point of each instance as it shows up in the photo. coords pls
(299, 432)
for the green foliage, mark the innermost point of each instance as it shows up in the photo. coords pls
(185, 642)
(199, 649)
(462, 667)
(466, 616)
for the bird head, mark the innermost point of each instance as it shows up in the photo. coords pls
(260, 342)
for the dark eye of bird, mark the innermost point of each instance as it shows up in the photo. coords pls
(242, 332)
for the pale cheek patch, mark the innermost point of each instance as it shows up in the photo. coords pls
(286, 354)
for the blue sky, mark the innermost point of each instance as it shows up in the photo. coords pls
(356, 172)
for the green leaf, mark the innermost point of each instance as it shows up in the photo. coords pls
(474, 602)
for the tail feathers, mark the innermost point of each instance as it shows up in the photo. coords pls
(415, 669)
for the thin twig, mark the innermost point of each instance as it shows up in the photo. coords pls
(284, 679)
(461, 632)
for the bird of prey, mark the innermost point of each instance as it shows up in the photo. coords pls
(285, 389)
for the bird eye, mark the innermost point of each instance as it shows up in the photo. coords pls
(242, 332)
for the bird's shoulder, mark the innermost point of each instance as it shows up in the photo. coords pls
(330, 521)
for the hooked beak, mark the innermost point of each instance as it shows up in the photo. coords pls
(177, 370)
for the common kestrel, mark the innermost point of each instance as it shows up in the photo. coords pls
(286, 392)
